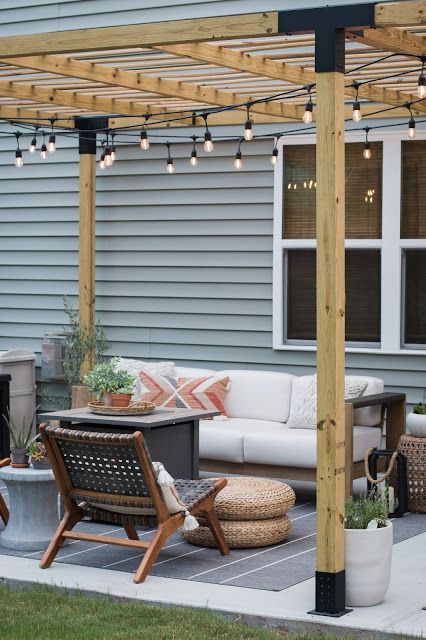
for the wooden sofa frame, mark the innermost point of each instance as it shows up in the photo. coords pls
(393, 408)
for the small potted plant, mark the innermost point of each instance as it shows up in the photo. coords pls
(114, 385)
(20, 437)
(416, 420)
(368, 549)
(38, 454)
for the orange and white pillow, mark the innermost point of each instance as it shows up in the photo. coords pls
(202, 393)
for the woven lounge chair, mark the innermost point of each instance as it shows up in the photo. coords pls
(4, 511)
(110, 477)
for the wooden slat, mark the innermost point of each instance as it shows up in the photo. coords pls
(34, 116)
(400, 14)
(388, 39)
(91, 537)
(141, 82)
(87, 246)
(274, 69)
(141, 35)
(330, 214)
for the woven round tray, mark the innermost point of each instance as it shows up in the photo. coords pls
(134, 409)
(253, 499)
(241, 534)
(414, 450)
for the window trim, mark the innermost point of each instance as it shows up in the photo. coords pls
(390, 245)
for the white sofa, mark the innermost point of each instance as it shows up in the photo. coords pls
(255, 438)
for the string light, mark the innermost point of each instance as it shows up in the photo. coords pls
(367, 149)
(248, 127)
(421, 84)
(102, 160)
(113, 149)
(356, 108)
(208, 142)
(170, 165)
(144, 143)
(19, 161)
(43, 149)
(52, 138)
(194, 158)
(33, 144)
(411, 123)
(309, 106)
(238, 162)
(274, 155)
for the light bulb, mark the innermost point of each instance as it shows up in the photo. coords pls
(238, 162)
(421, 86)
(108, 159)
(274, 156)
(307, 116)
(33, 145)
(52, 144)
(248, 130)
(412, 128)
(356, 112)
(43, 151)
(102, 162)
(170, 165)
(113, 154)
(144, 140)
(208, 143)
(194, 158)
(19, 161)
(367, 151)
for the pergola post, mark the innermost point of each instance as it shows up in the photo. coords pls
(330, 221)
(87, 231)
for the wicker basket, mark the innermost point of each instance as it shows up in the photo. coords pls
(414, 449)
(241, 534)
(134, 409)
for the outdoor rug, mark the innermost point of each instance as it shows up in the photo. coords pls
(270, 568)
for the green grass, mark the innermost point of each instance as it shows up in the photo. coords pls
(45, 614)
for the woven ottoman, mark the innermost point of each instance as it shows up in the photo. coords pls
(252, 512)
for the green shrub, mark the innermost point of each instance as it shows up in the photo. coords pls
(360, 511)
(108, 377)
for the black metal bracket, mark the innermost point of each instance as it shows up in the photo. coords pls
(328, 24)
(330, 594)
(87, 128)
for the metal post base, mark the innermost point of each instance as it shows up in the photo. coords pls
(330, 594)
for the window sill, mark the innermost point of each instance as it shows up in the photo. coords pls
(372, 351)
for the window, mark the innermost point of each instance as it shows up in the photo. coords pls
(385, 254)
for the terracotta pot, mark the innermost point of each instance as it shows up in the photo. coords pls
(19, 458)
(120, 399)
(107, 398)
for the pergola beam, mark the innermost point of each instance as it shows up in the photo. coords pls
(137, 81)
(400, 14)
(390, 39)
(261, 65)
(131, 36)
(34, 116)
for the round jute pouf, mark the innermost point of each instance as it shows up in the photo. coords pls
(252, 512)
(241, 534)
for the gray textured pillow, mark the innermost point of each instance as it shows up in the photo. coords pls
(303, 407)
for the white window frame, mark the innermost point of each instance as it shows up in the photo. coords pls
(390, 245)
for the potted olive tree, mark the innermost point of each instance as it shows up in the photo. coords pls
(114, 385)
(20, 438)
(368, 549)
(416, 420)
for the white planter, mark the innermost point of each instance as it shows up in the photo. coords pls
(368, 558)
(416, 425)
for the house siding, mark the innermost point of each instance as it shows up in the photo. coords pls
(184, 262)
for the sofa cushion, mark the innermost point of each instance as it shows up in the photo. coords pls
(298, 447)
(192, 372)
(135, 366)
(223, 439)
(370, 416)
(262, 395)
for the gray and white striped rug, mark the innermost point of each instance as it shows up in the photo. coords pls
(271, 568)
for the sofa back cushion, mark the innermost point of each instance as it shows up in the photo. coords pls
(370, 416)
(192, 372)
(263, 395)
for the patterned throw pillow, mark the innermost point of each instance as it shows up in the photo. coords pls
(135, 366)
(303, 408)
(205, 392)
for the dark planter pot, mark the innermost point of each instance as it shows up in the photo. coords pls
(19, 458)
(40, 464)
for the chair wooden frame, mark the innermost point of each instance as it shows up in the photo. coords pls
(167, 524)
(4, 511)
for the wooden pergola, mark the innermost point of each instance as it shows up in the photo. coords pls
(93, 79)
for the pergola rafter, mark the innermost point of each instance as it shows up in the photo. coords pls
(390, 39)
